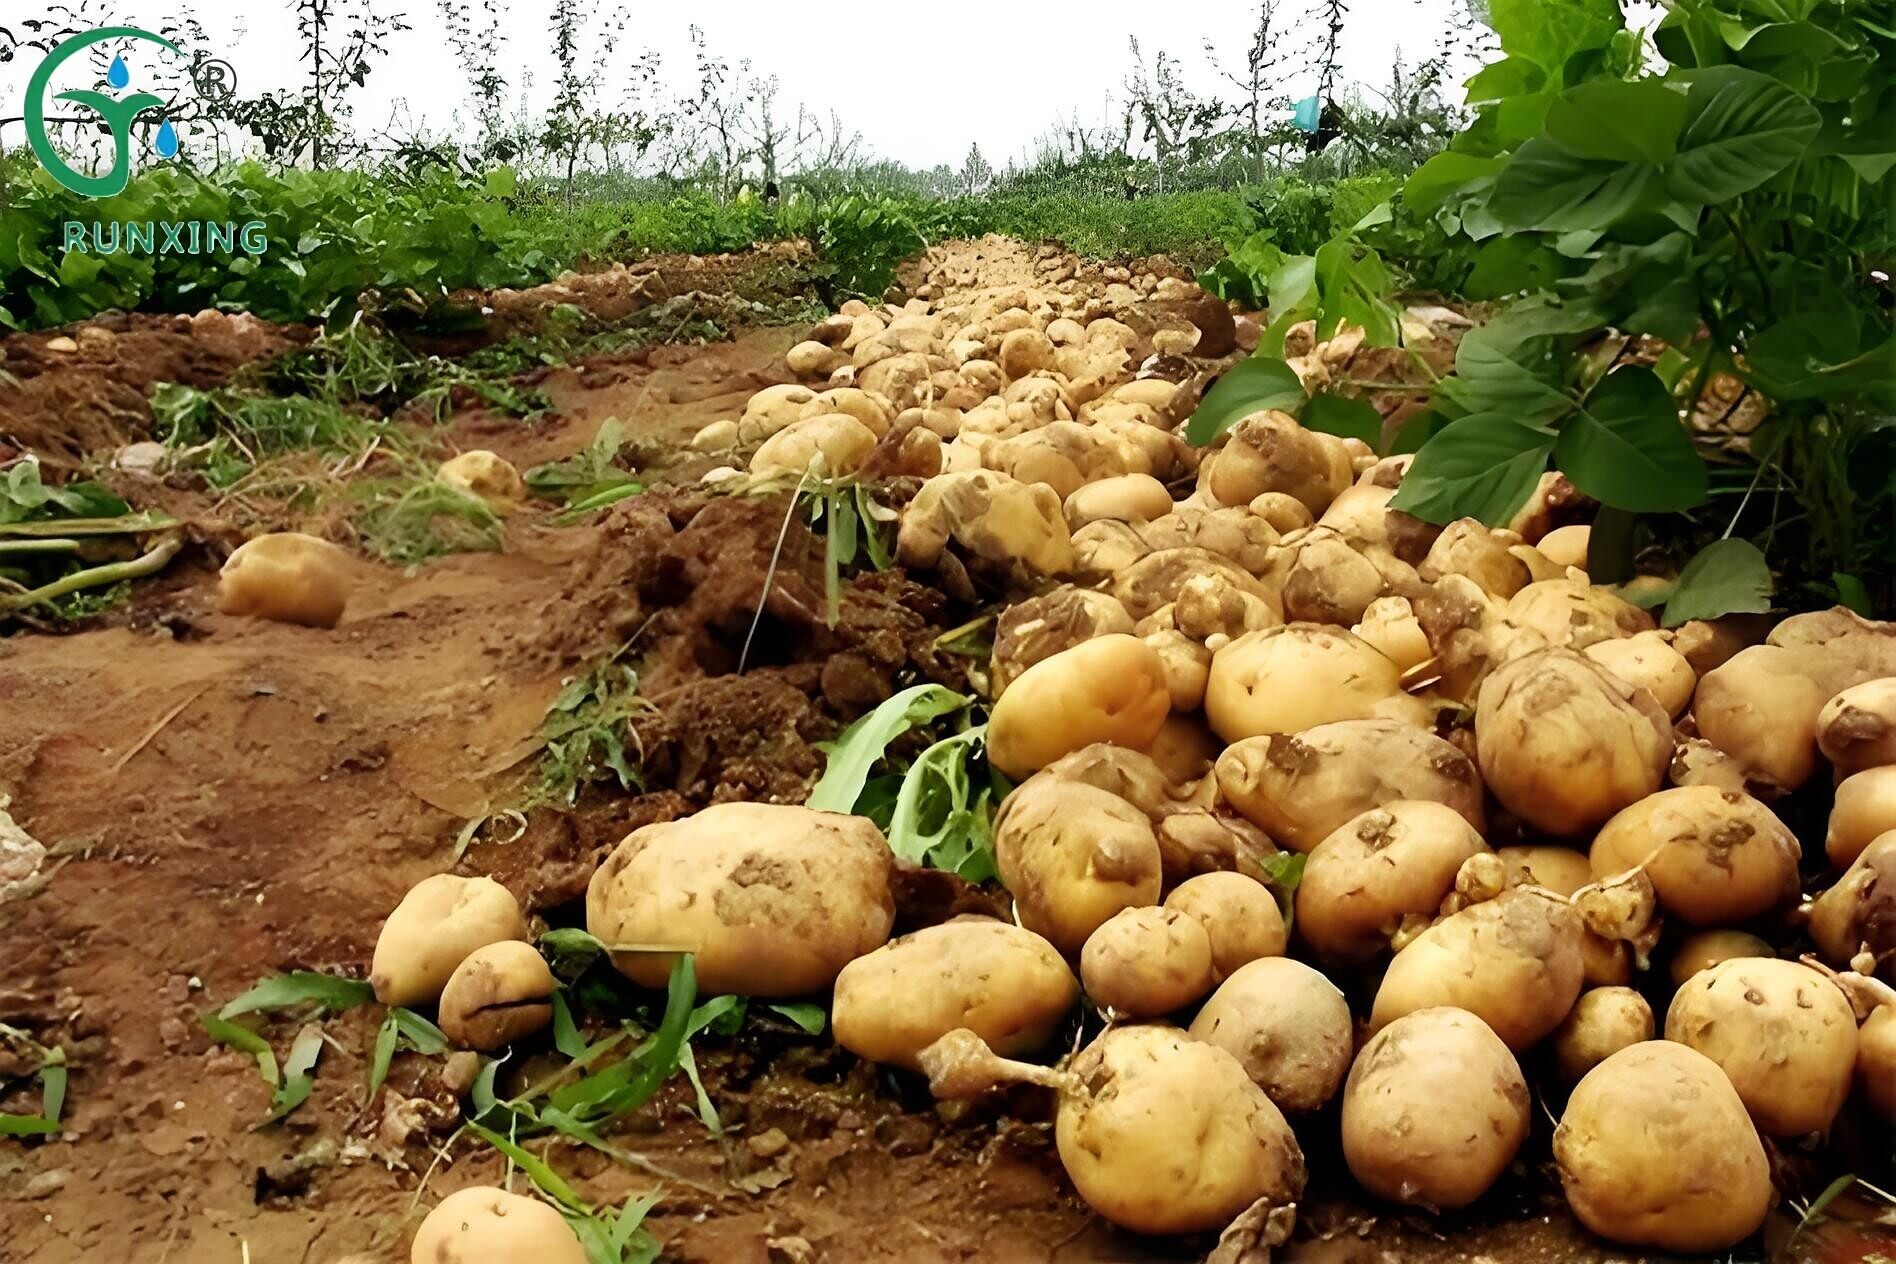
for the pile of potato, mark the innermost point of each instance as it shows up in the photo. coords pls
(1528, 818)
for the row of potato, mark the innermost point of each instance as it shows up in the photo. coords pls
(1505, 781)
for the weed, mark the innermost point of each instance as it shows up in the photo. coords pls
(587, 730)
(50, 1070)
(69, 550)
(414, 517)
(588, 480)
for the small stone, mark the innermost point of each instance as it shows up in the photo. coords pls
(46, 1184)
(460, 1071)
(769, 1143)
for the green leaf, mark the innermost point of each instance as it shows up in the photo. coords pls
(1547, 187)
(1509, 77)
(1625, 121)
(721, 1014)
(1248, 387)
(1627, 448)
(864, 743)
(707, 1109)
(1445, 175)
(940, 817)
(566, 1037)
(805, 1014)
(27, 1126)
(301, 987)
(1550, 32)
(387, 1036)
(1344, 417)
(1353, 287)
(1743, 128)
(1726, 577)
(247, 1041)
(299, 1076)
(1484, 466)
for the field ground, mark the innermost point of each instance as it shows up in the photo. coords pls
(223, 798)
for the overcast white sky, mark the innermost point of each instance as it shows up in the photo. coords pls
(919, 85)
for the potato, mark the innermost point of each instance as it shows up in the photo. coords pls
(485, 1225)
(1784, 1035)
(1859, 912)
(1328, 581)
(1124, 497)
(1390, 627)
(1876, 1061)
(774, 900)
(1239, 914)
(1200, 841)
(832, 445)
(1072, 855)
(1714, 857)
(1129, 774)
(1706, 948)
(1284, 513)
(1301, 788)
(1187, 665)
(485, 476)
(499, 994)
(1006, 984)
(1270, 452)
(1184, 749)
(438, 925)
(1513, 962)
(1572, 614)
(286, 577)
(1433, 1110)
(1288, 1026)
(1865, 807)
(1109, 689)
(1397, 859)
(990, 515)
(861, 405)
(1857, 728)
(1564, 744)
(1567, 546)
(1292, 678)
(1655, 1149)
(1648, 660)
(1160, 578)
(1166, 1134)
(1040, 627)
(1603, 1021)
(1467, 547)
(1561, 870)
(1144, 962)
(771, 409)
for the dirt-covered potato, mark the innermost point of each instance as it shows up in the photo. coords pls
(1006, 984)
(771, 409)
(1655, 1149)
(990, 515)
(1130, 774)
(286, 577)
(1328, 581)
(1144, 962)
(1857, 728)
(1603, 1021)
(1165, 1134)
(1239, 914)
(1287, 1024)
(1572, 614)
(1125, 498)
(437, 925)
(1292, 678)
(1072, 855)
(1704, 949)
(1859, 912)
(774, 900)
(1434, 1109)
(1564, 744)
(1109, 689)
(485, 1225)
(485, 476)
(832, 445)
(1392, 861)
(1513, 961)
(1159, 578)
(1649, 661)
(1040, 627)
(499, 994)
(1184, 748)
(1567, 546)
(1389, 625)
(1271, 452)
(1561, 870)
(1876, 1061)
(1299, 788)
(1187, 665)
(1784, 1035)
(1865, 807)
(1714, 857)
(1467, 547)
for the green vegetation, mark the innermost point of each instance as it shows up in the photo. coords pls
(68, 551)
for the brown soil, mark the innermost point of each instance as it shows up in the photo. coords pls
(223, 798)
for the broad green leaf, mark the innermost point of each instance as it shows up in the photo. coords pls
(1626, 121)
(1489, 379)
(864, 743)
(300, 987)
(1484, 466)
(1509, 77)
(1353, 288)
(1512, 265)
(1547, 187)
(1445, 175)
(805, 1014)
(1549, 32)
(1726, 577)
(1627, 447)
(1742, 129)
(1344, 417)
(1249, 386)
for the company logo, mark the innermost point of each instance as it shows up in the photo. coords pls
(118, 113)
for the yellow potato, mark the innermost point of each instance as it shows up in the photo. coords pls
(486, 476)
(1365, 877)
(1239, 914)
(1865, 807)
(1072, 855)
(1109, 689)
(1287, 1024)
(484, 1225)
(438, 925)
(1603, 1021)
(1714, 857)
(1292, 678)
(1857, 728)
(1144, 962)
(288, 578)
(499, 994)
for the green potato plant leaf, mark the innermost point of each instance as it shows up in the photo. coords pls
(1249, 386)
(1743, 129)
(1725, 577)
(863, 744)
(1631, 121)
(1548, 187)
(1484, 466)
(1627, 447)
(300, 987)
(1345, 417)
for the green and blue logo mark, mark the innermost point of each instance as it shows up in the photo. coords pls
(119, 113)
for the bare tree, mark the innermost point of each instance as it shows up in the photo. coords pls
(341, 39)
(1165, 111)
(1262, 63)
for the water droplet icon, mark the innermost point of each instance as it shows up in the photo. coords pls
(167, 142)
(118, 76)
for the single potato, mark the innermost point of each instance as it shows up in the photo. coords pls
(485, 1225)
(1865, 807)
(1072, 855)
(1390, 862)
(1603, 1021)
(1287, 1024)
(485, 476)
(1857, 728)
(501, 993)
(1714, 856)
(1144, 962)
(1288, 679)
(1109, 689)
(288, 578)
(1239, 914)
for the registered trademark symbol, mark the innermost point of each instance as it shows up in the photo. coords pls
(215, 78)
